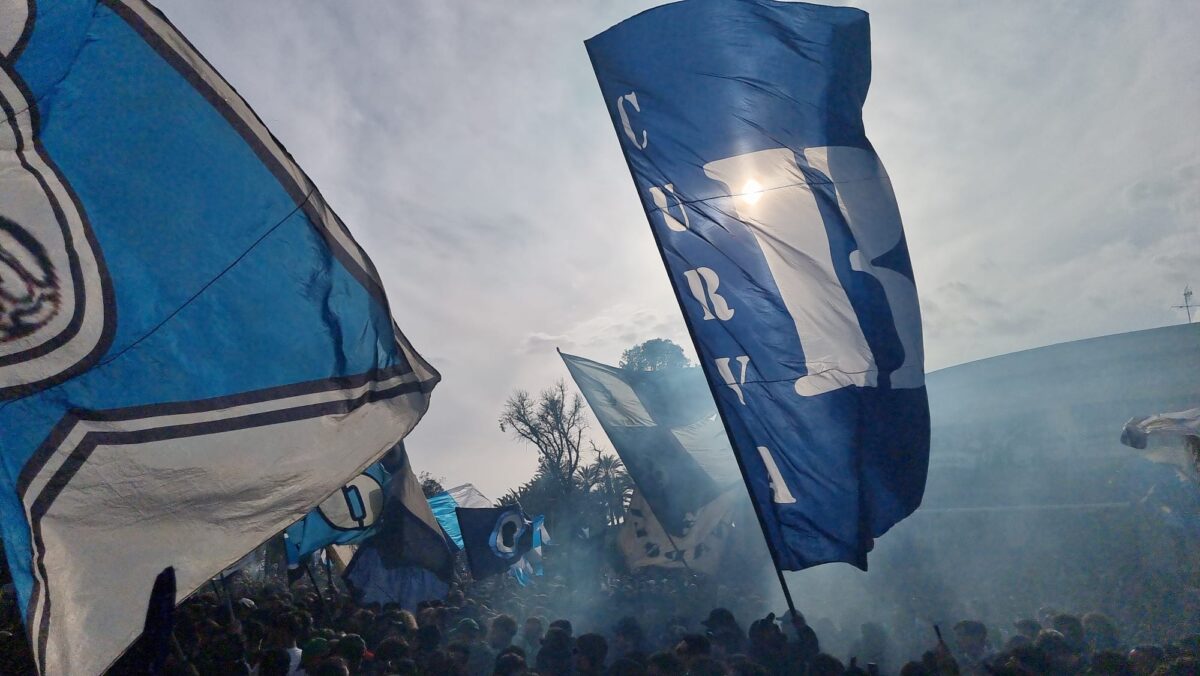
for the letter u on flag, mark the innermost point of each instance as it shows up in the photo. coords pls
(741, 122)
(194, 352)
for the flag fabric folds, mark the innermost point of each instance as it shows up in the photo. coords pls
(194, 351)
(445, 503)
(347, 517)
(644, 542)
(741, 123)
(408, 534)
(370, 580)
(664, 426)
(494, 538)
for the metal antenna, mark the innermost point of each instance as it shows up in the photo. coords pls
(1187, 302)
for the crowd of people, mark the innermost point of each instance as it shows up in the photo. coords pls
(273, 630)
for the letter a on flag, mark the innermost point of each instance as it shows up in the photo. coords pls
(194, 352)
(741, 122)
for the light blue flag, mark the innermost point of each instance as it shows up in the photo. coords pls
(741, 122)
(194, 351)
(347, 517)
(445, 503)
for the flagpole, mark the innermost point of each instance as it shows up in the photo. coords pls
(687, 321)
(316, 587)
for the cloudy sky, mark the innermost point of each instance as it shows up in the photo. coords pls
(1046, 158)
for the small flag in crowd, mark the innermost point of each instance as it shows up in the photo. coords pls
(664, 426)
(741, 123)
(194, 352)
(408, 534)
(494, 538)
(445, 503)
(347, 517)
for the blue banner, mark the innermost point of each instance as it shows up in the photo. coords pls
(741, 123)
(347, 517)
(194, 351)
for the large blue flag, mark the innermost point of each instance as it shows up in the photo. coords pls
(741, 122)
(193, 349)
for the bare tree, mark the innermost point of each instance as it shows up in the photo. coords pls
(554, 424)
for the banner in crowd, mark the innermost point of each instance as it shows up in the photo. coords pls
(664, 426)
(644, 542)
(445, 503)
(408, 534)
(741, 123)
(494, 538)
(347, 517)
(370, 580)
(194, 351)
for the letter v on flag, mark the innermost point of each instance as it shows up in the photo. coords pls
(194, 351)
(781, 236)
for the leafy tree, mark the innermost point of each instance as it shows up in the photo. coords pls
(431, 485)
(612, 484)
(654, 355)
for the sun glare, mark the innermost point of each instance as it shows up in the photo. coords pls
(751, 192)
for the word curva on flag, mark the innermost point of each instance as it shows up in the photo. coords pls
(741, 123)
(194, 352)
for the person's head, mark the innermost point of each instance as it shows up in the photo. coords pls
(1072, 630)
(1100, 632)
(501, 631)
(391, 649)
(1058, 651)
(1109, 663)
(509, 664)
(564, 625)
(720, 618)
(665, 664)
(1144, 659)
(467, 630)
(726, 642)
(554, 656)
(533, 628)
(766, 635)
(274, 662)
(591, 650)
(351, 648)
(334, 666)
(692, 646)
(825, 664)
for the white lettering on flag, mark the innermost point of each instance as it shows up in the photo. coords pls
(779, 488)
(780, 209)
(727, 374)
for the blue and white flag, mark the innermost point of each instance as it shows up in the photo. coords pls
(741, 122)
(194, 351)
(495, 538)
(347, 517)
(445, 503)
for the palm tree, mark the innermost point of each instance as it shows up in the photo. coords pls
(614, 485)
